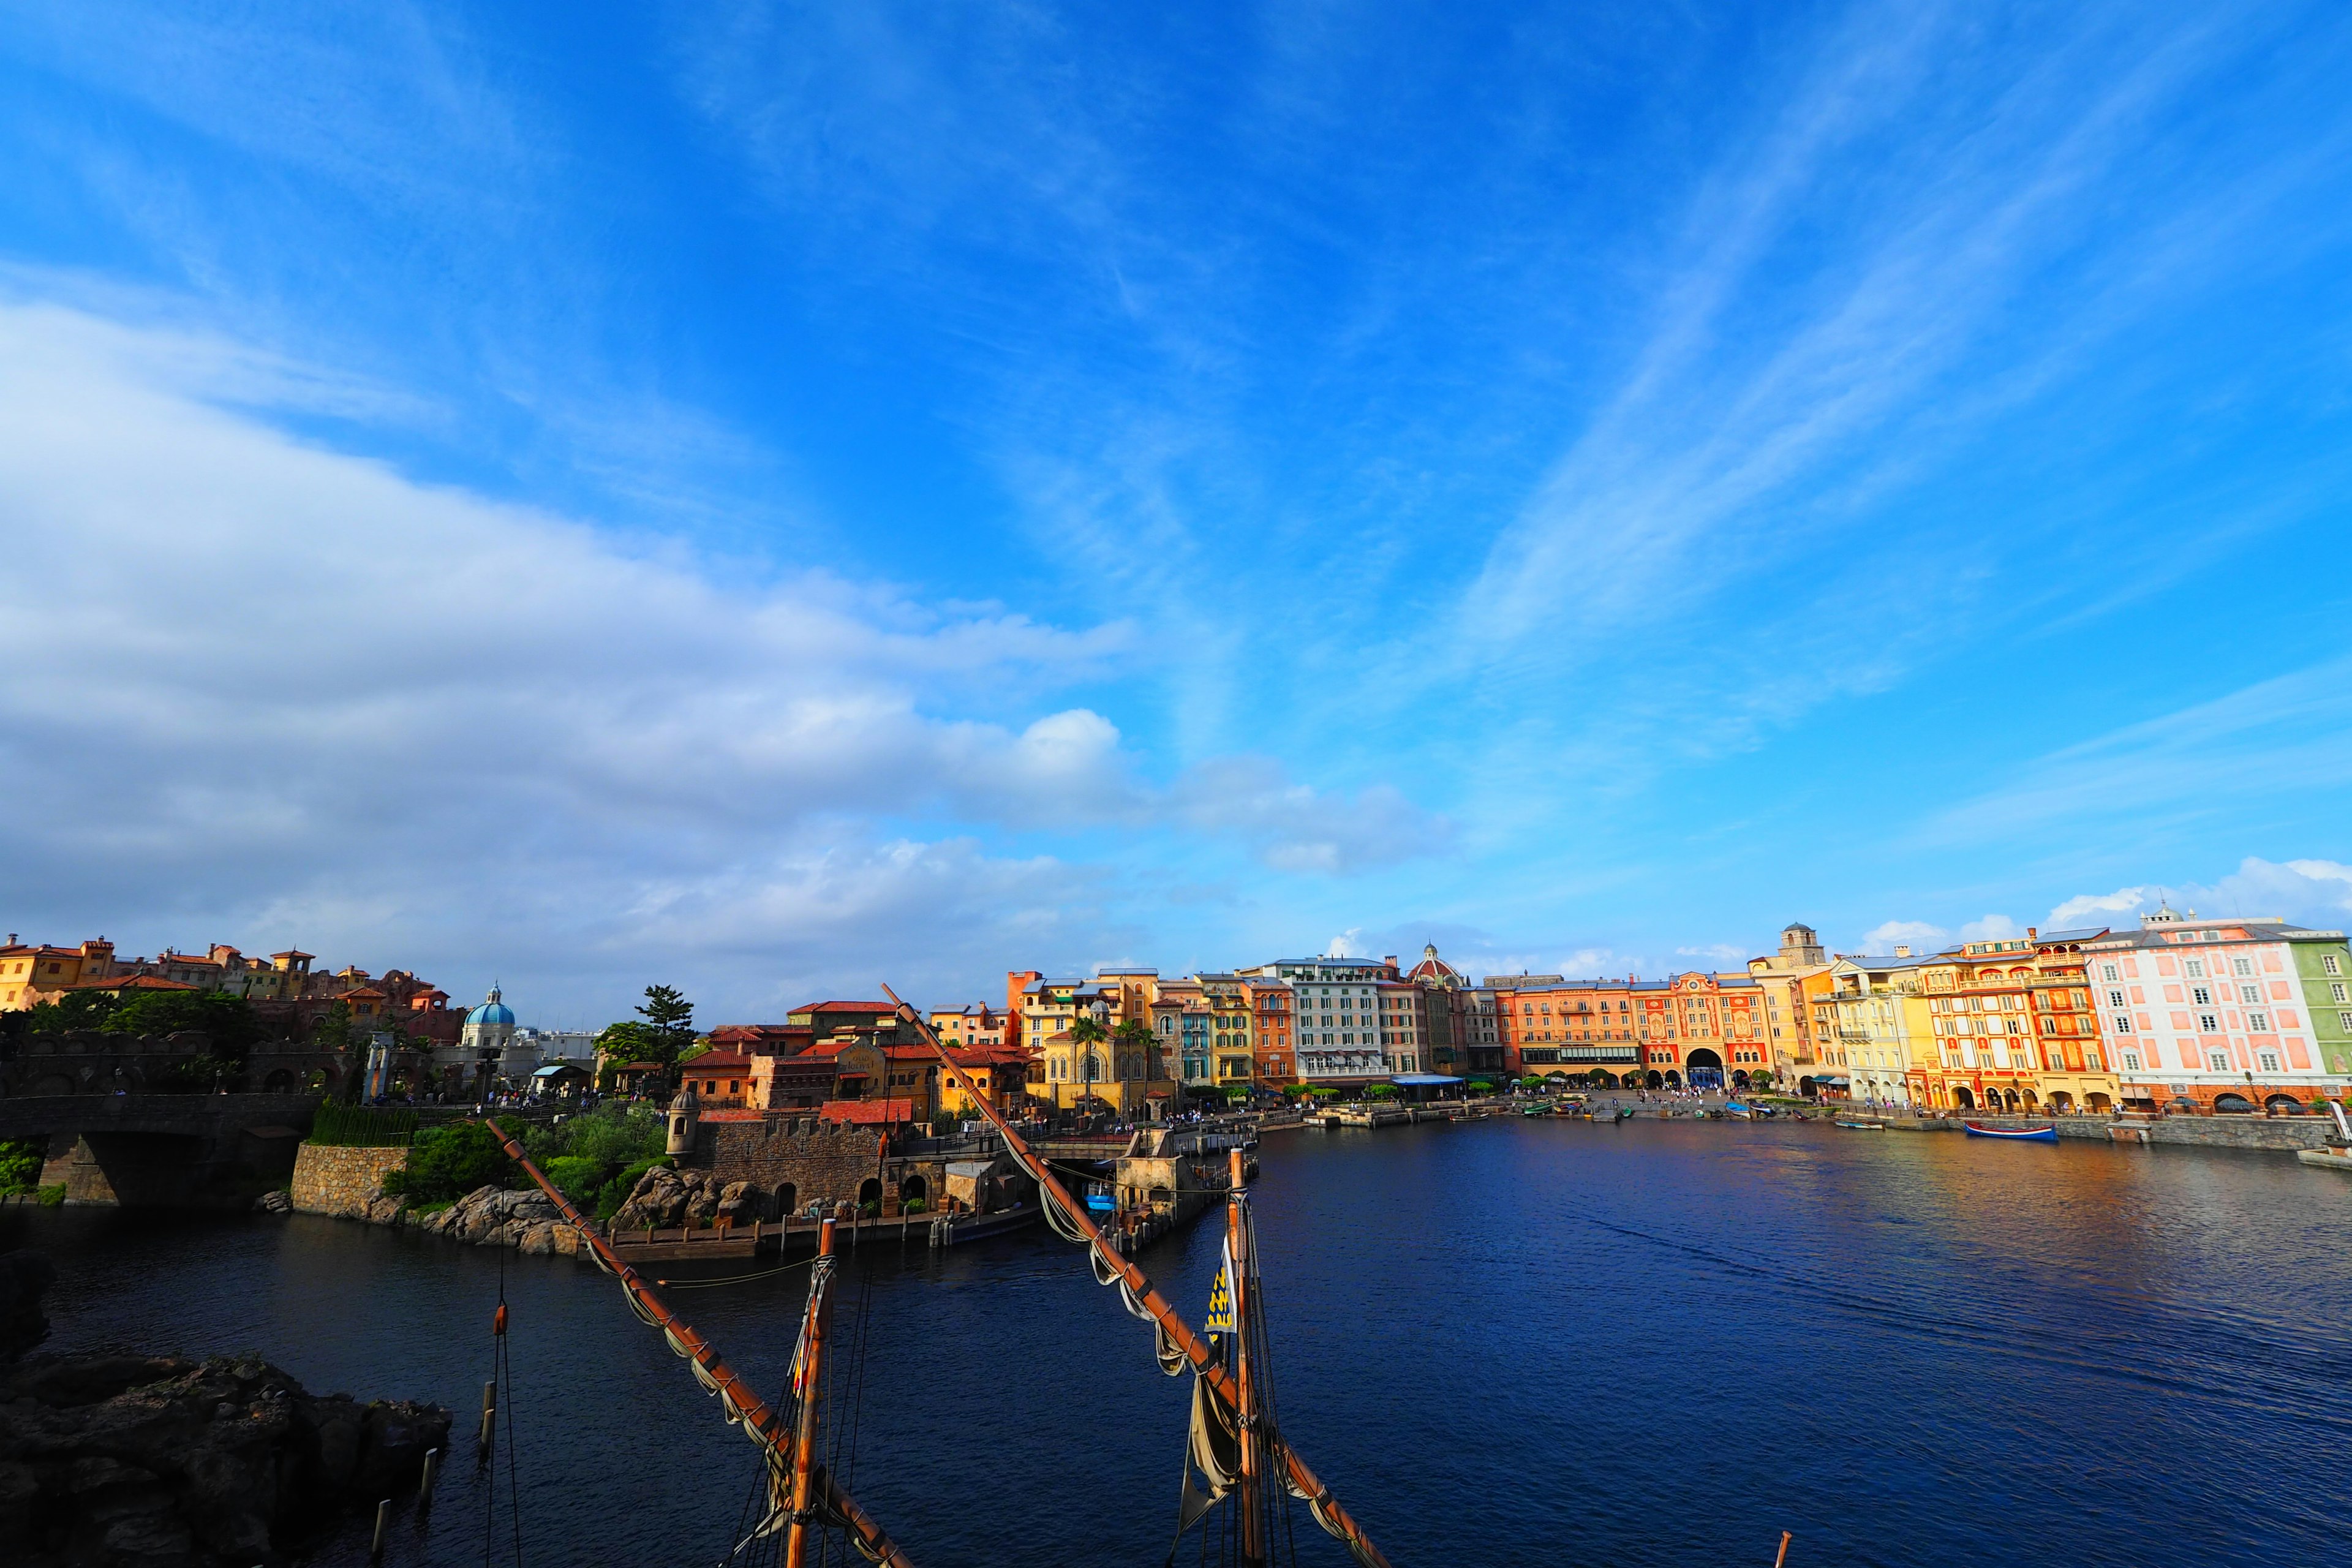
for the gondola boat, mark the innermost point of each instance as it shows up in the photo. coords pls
(2015, 1134)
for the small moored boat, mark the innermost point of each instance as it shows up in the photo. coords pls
(1864, 1126)
(2025, 1134)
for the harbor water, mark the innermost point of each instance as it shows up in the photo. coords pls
(1512, 1342)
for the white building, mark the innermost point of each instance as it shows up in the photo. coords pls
(2229, 1014)
(1338, 1014)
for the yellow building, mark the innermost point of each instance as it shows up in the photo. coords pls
(1871, 1015)
(1792, 980)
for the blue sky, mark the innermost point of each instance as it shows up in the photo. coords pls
(775, 499)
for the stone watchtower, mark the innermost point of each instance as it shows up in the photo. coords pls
(685, 1116)
(1800, 947)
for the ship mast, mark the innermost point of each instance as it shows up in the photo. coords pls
(815, 1495)
(1237, 1240)
(1109, 1263)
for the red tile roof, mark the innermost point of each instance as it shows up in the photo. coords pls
(865, 1112)
(846, 1008)
(717, 1062)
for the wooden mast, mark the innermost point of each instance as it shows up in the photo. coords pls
(1245, 1398)
(807, 1376)
(1303, 1481)
(761, 1423)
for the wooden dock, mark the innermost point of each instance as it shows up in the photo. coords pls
(685, 1246)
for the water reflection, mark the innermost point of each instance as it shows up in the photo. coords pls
(1523, 1342)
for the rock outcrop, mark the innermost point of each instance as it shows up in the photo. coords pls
(118, 1458)
(664, 1199)
(23, 1276)
(526, 1220)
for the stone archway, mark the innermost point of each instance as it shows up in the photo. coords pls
(913, 1190)
(1962, 1097)
(2097, 1103)
(1806, 1086)
(788, 1198)
(1673, 1079)
(1653, 1079)
(869, 1191)
(1705, 1068)
(1739, 1077)
(2060, 1103)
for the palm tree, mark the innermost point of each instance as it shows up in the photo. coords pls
(1086, 1033)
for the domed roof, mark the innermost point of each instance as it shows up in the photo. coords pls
(492, 1012)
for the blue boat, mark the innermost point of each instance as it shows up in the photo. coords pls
(2015, 1135)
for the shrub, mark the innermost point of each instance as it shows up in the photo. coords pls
(578, 1176)
(20, 1164)
(449, 1163)
(359, 1127)
(51, 1197)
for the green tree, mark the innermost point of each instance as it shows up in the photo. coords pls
(1086, 1033)
(229, 1021)
(73, 1010)
(669, 1025)
(449, 1163)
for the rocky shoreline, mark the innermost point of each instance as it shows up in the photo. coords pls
(528, 1220)
(150, 1461)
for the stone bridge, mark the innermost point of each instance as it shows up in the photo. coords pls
(87, 1061)
(162, 1150)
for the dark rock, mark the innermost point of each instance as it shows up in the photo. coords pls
(273, 1203)
(23, 1276)
(119, 1459)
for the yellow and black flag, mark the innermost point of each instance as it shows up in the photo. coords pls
(1221, 1295)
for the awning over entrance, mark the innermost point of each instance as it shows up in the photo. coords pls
(1421, 1080)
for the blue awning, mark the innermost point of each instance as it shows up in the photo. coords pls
(1420, 1079)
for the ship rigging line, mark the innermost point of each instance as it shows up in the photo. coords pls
(758, 1420)
(1137, 1286)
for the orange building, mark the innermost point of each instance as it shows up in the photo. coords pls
(1695, 1029)
(1271, 1005)
(2014, 1027)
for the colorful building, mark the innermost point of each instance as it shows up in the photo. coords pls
(2222, 1015)
(1872, 1016)
(2013, 1026)
(1338, 1028)
(1791, 980)
(1273, 1020)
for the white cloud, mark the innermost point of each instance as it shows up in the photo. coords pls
(1991, 928)
(2304, 892)
(1721, 952)
(1296, 828)
(1917, 935)
(271, 679)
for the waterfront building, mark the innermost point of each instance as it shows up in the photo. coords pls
(1272, 1016)
(1403, 1040)
(1874, 1017)
(1459, 1025)
(2013, 1026)
(1579, 1029)
(1336, 1003)
(1515, 1015)
(1791, 979)
(975, 1026)
(2221, 1014)
(1181, 1031)
(1232, 1056)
